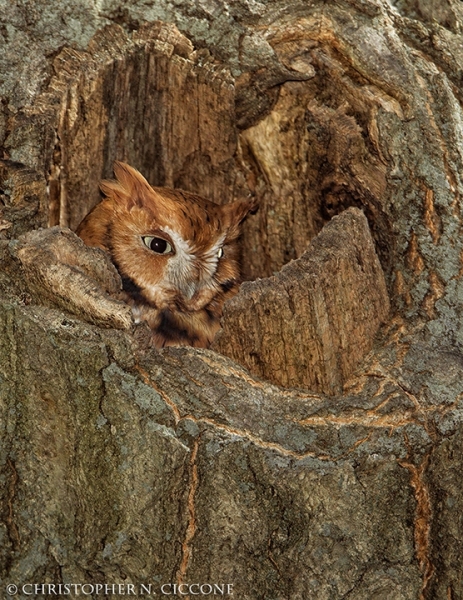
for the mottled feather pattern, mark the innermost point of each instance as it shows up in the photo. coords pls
(177, 254)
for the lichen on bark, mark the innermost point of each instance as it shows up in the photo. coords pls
(120, 463)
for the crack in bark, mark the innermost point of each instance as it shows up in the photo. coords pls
(460, 272)
(164, 396)
(423, 510)
(239, 432)
(243, 433)
(431, 218)
(436, 291)
(375, 370)
(270, 556)
(12, 528)
(187, 549)
(414, 258)
(423, 516)
(449, 173)
(401, 288)
(370, 419)
(382, 422)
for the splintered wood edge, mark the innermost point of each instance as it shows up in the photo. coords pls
(311, 325)
(316, 340)
(61, 271)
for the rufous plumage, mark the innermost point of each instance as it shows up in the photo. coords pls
(177, 254)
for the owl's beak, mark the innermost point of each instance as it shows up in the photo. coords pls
(200, 298)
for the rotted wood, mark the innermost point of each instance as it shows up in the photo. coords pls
(146, 102)
(313, 323)
(23, 199)
(307, 158)
(181, 462)
(61, 271)
(148, 99)
(154, 101)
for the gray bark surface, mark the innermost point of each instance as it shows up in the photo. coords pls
(120, 464)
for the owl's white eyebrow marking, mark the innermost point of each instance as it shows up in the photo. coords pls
(180, 244)
(211, 257)
(180, 266)
(185, 270)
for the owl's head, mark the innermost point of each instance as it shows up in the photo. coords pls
(173, 248)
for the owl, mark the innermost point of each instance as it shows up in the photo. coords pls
(177, 254)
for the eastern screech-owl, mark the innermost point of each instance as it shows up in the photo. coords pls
(176, 252)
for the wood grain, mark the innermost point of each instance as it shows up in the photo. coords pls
(311, 324)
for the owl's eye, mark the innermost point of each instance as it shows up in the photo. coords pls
(157, 244)
(220, 253)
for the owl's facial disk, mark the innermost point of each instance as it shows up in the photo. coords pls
(188, 273)
(177, 254)
(172, 248)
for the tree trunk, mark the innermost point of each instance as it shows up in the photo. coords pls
(315, 451)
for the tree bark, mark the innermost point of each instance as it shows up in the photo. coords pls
(331, 474)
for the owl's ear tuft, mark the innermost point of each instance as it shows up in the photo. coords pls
(130, 188)
(238, 211)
